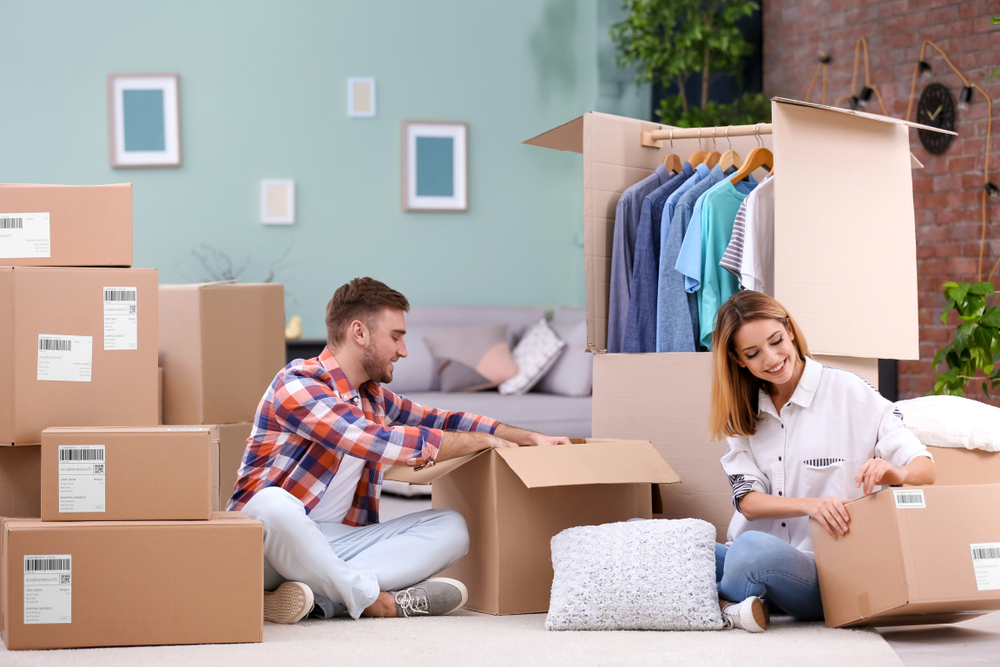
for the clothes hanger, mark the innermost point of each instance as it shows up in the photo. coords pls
(699, 155)
(673, 161)
(758, 157)
(730, 158)
(713, 158)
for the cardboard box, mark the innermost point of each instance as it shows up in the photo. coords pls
(159, 396)
(66, 225)
(866, 155)
(957, 465)
(71, 358)
(913, 556)
(515, 500)
(111, 473)
(232, 445)
(20, 481)
(221, 344)
(131, 583)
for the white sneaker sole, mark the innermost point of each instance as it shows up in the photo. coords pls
(749, 609)
(289, 603)
(457, 584)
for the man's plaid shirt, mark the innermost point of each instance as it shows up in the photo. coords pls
(311, 417)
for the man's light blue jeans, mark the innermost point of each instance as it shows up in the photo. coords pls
(347, 566)
(757, 563)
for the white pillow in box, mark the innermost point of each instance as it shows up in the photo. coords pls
(952, 421)
(635, 575)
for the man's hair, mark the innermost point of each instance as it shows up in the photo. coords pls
(361, 299)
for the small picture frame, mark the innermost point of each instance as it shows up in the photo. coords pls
(435, 166)
(277, 201)
(144, 123)
(361, 97)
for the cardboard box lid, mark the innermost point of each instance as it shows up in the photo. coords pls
(211, 429)
(593, 462)
(218, 518)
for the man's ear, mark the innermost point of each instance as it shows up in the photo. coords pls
(358, 332)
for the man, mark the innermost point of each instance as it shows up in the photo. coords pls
(324, 434)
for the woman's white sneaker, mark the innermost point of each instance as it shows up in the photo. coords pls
(432, 597)
(751, 615)
(288, 603)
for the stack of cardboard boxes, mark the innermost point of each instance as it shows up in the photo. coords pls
(119, 544)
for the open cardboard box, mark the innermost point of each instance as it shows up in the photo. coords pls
(913, 556)
(844, 239)
(515, 500)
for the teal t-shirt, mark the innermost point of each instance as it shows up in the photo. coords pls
(719, 207)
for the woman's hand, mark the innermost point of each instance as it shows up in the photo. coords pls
(830, 513)
(878, 471)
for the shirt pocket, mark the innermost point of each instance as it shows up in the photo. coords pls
(827, 476)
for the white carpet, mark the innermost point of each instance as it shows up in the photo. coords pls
(467, 638)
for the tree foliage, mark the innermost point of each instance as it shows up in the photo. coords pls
(669, 40)
(976, 346)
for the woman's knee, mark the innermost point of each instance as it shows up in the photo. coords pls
(747, 549)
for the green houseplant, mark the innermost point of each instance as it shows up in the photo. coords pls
(976, 345)
(668, 41)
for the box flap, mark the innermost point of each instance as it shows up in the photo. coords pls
(596, 462)
(566, 137)
(862, 114)
(427, 475)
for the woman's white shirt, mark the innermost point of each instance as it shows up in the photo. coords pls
(832, 424)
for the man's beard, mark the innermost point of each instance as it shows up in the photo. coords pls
(376, 369)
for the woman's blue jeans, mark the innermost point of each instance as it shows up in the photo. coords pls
(758, 563)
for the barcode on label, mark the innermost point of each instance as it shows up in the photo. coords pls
(11, 223)
(55, 344)
(909, 498)
(74, 454)
(46, 563)
(111, 295)
(985, 553)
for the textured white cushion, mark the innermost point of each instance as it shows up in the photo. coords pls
(635, 575)
(534, 355)
(952, 421)
(573, 372)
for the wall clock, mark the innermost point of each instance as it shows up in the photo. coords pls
(937, 109)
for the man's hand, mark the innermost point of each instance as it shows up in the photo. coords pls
(878, 471)
(528, 438)
(830, 513)
(539, 440)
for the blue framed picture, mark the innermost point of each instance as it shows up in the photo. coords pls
(435, 166)
(144, 120)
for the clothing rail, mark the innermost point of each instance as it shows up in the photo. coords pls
(656, 138)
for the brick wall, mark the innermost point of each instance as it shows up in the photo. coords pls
(947, 192)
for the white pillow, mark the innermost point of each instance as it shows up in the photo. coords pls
(534, 355)
(573, 372)
(952, 421)
(636, 575)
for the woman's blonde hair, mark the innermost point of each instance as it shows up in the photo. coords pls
(734, 388)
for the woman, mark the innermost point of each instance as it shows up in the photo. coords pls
(803, 439)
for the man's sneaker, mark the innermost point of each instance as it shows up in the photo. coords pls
(432, 597)
(288, 603)
(751, 615)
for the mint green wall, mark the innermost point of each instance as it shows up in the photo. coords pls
(263, 95)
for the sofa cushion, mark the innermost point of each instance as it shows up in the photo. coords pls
(952, 421)
(472, 358)
(572, 374)
(534, 355)
(552, 415)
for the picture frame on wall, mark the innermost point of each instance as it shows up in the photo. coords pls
(277, 201)
(144, 123)
(435, 166)
(361, 97)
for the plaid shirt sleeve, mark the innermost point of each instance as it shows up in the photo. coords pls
(309, 408)
(401, 410)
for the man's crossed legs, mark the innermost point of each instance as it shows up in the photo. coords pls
(347, 568)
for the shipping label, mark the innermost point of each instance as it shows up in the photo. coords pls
(81, 478)
(986, 563)
(909, 498)
(65, 358)
(24, 235)
(48, 589)
(121, 318)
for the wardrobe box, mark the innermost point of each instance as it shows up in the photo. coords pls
(844, 222)
(135, 583)
(232, 445)
(913, 556)
(515, 500)
(122, 473)
(79, 349)
(221, 345)
(20, 481)
(66, 225)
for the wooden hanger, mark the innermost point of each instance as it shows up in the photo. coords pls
(759, 157)
(730, 158)
(673, 161)
(699, 155)
(713, 158)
